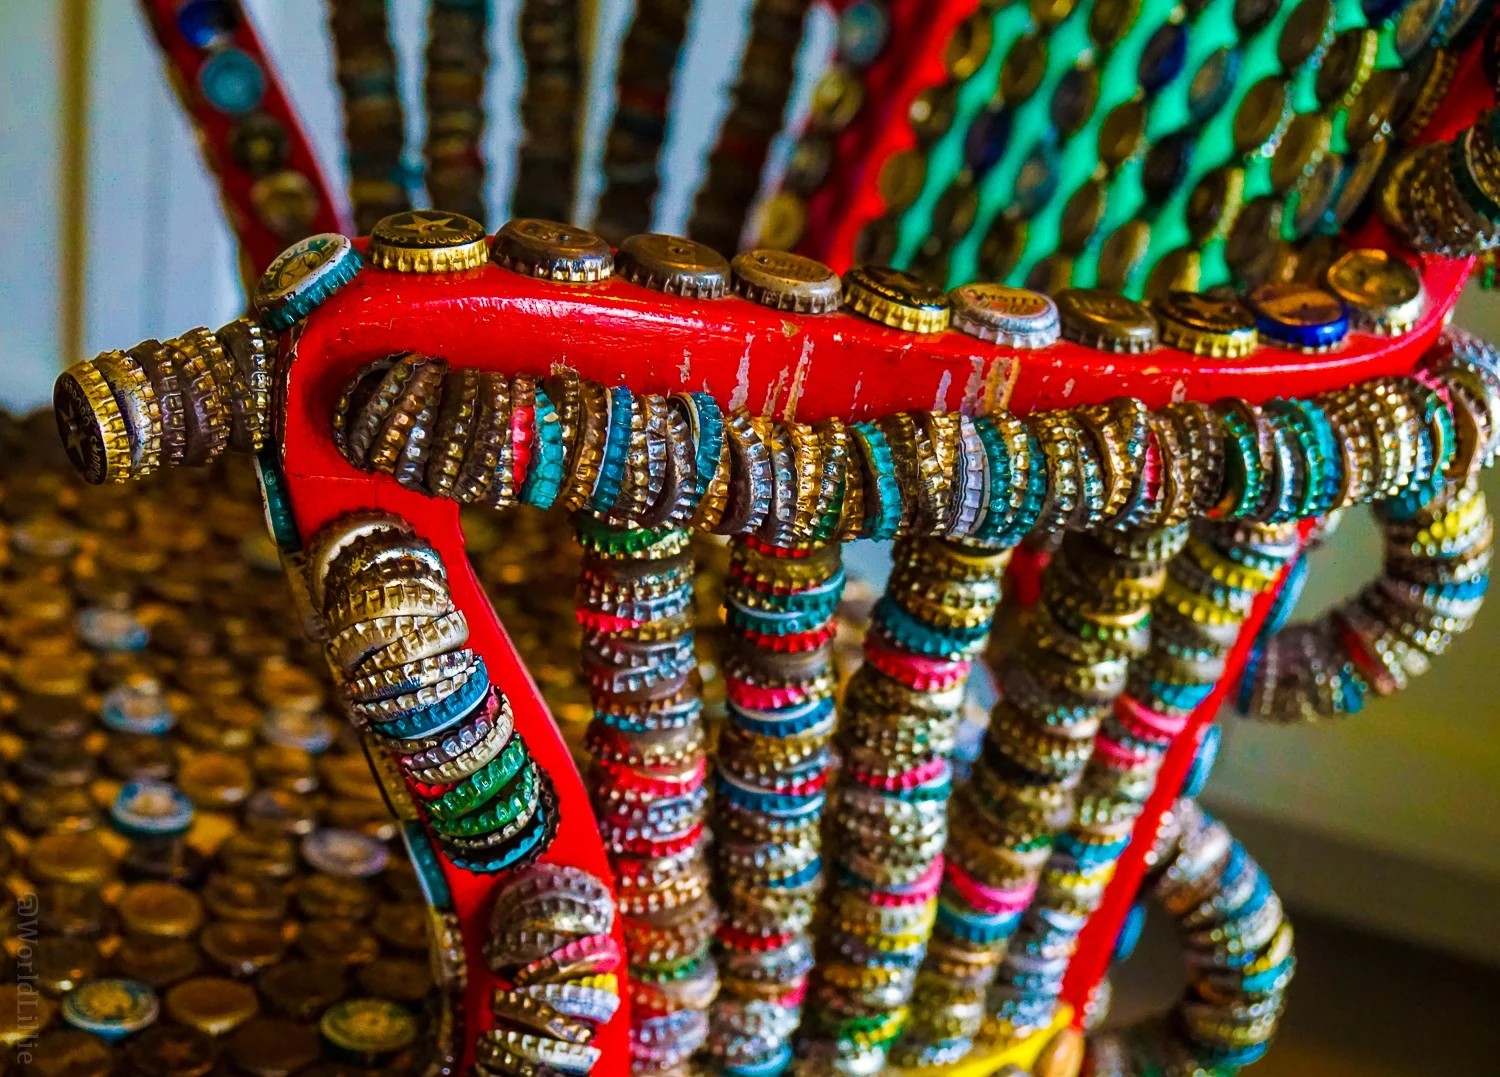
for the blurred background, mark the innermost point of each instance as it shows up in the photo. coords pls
(110, 232)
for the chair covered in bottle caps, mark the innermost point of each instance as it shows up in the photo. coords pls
(1173, 292)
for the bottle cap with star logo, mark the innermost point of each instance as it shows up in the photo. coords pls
(428, 241)
(1205, 325)
(303, 277)
(91, 425)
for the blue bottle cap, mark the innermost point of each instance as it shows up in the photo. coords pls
(1299, 316)
(863, 29)
(1203, 762)
(232, 82)
(1163, 58)
(207, 22)
(1130, 932)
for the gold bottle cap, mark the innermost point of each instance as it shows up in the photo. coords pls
(156, 961)
(1106, 320)
(836, 100)
(242, 947)
(1346, 67)
(553, 251)
(60, 964)
(673, 265)
(329, 896)
(897, 299)
(171, 1051)
(23, 1013)
(69, 1053)
(781, 220)
(405, 980)
(1384, 294)
(271, 1047)
(164, 910)
(368, 1028)
(901, 178)
(785, 281)
(138, 405)
(428, 241)
(341, 942)
(239, 897)
(1204, 325)
(1122, 254)
(285, 202)
(211, 1004)
(81, 859)
(91, 425)
(216, 779)
(302, 989)
(1179, 270)
(1302, 149)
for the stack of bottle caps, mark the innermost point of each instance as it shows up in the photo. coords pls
(754, 120)
(1239, 960)
(1445, 197)
(899, 727)
(1057, 681)
(409, 683)
(773, 769)
(374, 122)
(1207, 593)
(456, 62)
(643, 94)
(550, 939)
(551, 103)
(205, 874)
(863, 32)
(648, 749)
(1438, 551)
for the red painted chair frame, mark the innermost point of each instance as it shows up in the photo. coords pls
(184, 62)
(788, 366)
(743, 354)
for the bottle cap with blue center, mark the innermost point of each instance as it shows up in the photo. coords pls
(1299, 316)
(111, 1009)
(863, 29)
(304, 276)
(367, 1030)
(152, 810)
(232, 82)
